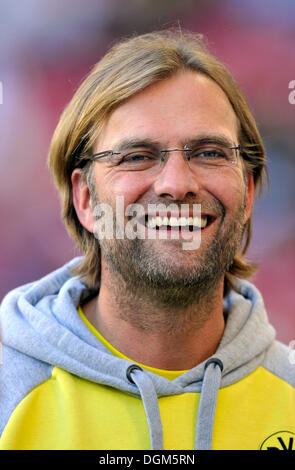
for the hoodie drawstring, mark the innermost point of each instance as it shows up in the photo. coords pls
(207, 405)
(206, 411)
(150, 403)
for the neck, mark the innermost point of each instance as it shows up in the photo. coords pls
(143, 328)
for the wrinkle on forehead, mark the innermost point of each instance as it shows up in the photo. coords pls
(172, 111)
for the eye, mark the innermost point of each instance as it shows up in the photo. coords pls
(134, 157)
(210, 153)
(137, 158)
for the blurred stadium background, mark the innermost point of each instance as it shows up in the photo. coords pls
(46, 49)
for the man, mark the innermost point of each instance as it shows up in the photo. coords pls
(152, 341)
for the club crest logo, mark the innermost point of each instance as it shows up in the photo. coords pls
(282, 440)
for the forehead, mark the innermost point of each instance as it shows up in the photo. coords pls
(171, 111)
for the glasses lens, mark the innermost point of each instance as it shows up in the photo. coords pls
(212, 156)
(135, 160)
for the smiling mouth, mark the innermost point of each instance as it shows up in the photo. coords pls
(172, 223)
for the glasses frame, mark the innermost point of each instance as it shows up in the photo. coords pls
(105, 153)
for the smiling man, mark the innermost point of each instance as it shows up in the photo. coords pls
(153, 339)
(152, 286)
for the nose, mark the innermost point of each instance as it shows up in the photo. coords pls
(175, 180)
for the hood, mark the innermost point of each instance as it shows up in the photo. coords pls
(40, 320)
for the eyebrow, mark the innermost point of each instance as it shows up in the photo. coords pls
(137, 143)
(210, 139)
(152, 144)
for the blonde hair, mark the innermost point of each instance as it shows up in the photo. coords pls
(130, 66)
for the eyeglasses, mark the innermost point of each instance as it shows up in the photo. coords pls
(211, 156)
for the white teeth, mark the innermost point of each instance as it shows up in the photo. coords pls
(183, 221)
(152, 223)
(158, 221)
(199, 222)
(173, 222)
(203, 221)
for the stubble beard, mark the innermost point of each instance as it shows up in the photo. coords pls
(145, 283)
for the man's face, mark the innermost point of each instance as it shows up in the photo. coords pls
(173, 112)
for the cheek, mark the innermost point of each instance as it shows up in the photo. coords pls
(230, 191)
(131, 187)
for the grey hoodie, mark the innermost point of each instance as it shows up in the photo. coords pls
(42, 329)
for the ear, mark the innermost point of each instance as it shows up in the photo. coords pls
(249, 196)
(82, 200)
